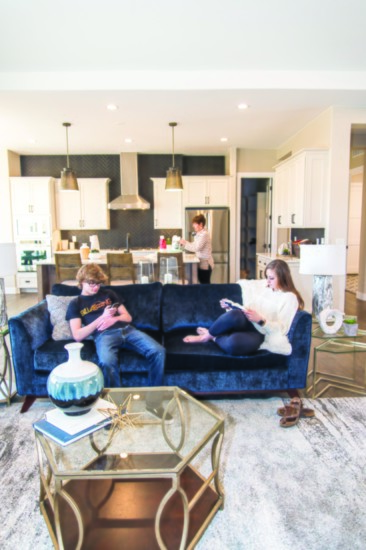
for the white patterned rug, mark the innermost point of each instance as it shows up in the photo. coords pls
(301, 487)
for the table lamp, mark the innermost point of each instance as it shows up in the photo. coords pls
(322, 261)
(8, 266)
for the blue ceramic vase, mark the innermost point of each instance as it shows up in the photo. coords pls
(75, 385)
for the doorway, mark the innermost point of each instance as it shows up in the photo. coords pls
(255, 222)
(354, 225)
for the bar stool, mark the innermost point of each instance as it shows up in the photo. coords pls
(171, 267)
(67, 266)
(120, 268)
(145, 271)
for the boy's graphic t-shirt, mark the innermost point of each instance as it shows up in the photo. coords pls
(89, 308)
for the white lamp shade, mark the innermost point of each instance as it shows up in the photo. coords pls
(8, 260)
(323, 259)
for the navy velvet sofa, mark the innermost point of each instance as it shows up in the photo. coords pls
(168, 313)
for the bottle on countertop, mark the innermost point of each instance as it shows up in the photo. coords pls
(84, 251)
(162, 242)
(176, 240)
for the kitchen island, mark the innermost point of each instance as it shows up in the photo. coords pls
(46, 269)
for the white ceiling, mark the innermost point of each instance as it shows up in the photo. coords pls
(189, 61)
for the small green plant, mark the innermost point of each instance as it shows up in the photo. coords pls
(95, 251)
(350, 320)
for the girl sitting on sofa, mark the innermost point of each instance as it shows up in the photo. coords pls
(263, 321)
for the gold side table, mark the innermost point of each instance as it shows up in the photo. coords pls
(336, 344)
(6, 370)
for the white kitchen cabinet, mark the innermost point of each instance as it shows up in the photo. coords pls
(301, 190)
(32, 196)
(206, 191)
(27, 280)
(86, 208)
(167, 206)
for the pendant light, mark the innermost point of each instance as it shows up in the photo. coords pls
(173, 176)
(68, 177)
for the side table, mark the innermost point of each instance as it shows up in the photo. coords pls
(336, 344)
(6, 370)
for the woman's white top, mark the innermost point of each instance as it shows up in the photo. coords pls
(278, 308)
(201, 246)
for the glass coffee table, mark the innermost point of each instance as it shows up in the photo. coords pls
(154, 484)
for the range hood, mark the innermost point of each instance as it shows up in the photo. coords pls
(129, 198)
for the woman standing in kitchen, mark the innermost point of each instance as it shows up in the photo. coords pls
(201, 246)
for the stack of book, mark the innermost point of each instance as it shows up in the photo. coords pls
(64, 429)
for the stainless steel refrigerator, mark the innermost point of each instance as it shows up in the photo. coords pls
(217, 224)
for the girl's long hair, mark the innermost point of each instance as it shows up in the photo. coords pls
(285, 281)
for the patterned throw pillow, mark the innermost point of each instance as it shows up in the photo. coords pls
(57, 306)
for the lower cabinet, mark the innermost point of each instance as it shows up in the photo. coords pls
(27, 280)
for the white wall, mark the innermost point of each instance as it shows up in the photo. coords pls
(315, 135)
(9, 166)
(256, 160)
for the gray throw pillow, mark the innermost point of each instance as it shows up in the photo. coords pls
(57, 306)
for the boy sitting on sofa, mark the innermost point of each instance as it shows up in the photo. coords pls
(97, 313)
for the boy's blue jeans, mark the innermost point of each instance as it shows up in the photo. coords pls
(109, 342)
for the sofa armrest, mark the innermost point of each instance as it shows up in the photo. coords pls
(28, 330)
(300, 338)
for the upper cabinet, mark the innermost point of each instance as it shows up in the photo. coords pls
(86, 208)
(33, 207)
(206, 191)
(167, 206)
(301, 190)
(32, 196)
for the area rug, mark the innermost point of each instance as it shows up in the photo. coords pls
(302, 487)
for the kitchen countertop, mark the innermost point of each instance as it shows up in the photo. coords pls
(273, 256)
(139, 254)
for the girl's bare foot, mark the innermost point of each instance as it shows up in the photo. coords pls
(199, 339)
(202, 330)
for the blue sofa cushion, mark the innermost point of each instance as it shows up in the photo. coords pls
(183, 306)
(143, 302)
(209, 357)
(51, 354)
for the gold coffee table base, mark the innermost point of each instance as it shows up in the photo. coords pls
(121, 514)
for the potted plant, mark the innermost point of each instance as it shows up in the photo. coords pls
(350, 325)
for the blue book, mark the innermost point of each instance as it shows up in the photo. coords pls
(65, 429)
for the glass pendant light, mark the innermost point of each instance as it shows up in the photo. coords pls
(68, 177)
(173, 176)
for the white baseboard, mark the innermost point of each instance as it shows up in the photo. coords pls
(12, 290)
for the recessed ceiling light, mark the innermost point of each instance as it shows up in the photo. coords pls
(112, 107)
(128, 140)
(223, 139)
(243, 106)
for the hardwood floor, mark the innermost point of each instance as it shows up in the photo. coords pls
(356, 307)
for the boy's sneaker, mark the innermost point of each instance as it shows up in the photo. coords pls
(158, 412)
